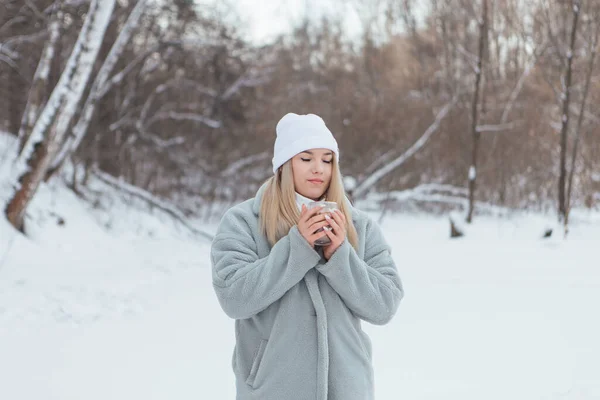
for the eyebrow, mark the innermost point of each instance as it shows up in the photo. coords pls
(310, 152)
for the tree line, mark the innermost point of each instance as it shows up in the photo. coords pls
(495, 99)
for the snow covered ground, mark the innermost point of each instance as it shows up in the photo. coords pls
(117, 303)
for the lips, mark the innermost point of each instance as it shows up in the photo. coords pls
(315, 180)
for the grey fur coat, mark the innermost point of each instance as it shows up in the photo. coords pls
(297, 316)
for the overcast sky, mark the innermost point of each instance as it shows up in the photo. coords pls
(265, 19)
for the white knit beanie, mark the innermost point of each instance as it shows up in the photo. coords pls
(298, 133)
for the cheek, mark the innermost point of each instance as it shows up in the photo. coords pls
(305, 170)
(298, 170)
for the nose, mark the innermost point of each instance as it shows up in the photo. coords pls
(317, 168)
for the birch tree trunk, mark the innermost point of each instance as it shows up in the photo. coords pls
(35, 101)
(52, 124)
(474, 112)
(98, 88)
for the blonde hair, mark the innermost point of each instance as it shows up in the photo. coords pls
(278, 209)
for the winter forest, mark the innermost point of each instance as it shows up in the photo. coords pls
(469, 130)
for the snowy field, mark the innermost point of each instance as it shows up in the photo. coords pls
(118, 304)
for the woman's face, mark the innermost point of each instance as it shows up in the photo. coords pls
(312, 172)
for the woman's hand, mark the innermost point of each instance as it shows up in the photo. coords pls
(310, 221)
(337, 234)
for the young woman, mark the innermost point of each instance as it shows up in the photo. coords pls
(298, 307)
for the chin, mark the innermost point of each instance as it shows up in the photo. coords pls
(311, 194)
(317, 194)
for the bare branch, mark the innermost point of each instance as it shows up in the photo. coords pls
(159, 142)
(515, 93)
(9, 53)
(16, 20)
(184, 116)
(383, 171)
(170, 209)
(557, 93)
(187, 83)
(496, 128)
(9, 61)
(32, 37)
(587, 113)
(471, 58)
(126, 120)
(233, 168)
(244, 81)
(117, 78)
(35, 10)
(144, 122)
(552, 37)
(178, 83)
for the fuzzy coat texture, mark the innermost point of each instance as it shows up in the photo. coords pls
(298, 316)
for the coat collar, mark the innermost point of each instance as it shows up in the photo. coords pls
(303, 200)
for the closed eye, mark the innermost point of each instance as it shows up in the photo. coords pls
(308, 159)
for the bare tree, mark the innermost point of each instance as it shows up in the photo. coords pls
(99, 85)
(483, 27)
(56, 116)
(180, 105)
(36, 100)
(566, 98)
(592, 48)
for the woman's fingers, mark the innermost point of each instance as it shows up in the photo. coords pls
(331, 234)
(310, 213)
(318, 224)
(318, 235)
(315, 215)
(335, 224)
(315, 219)
(341, 215)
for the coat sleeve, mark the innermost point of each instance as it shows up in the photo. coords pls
(371, 288)
(246, 284)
